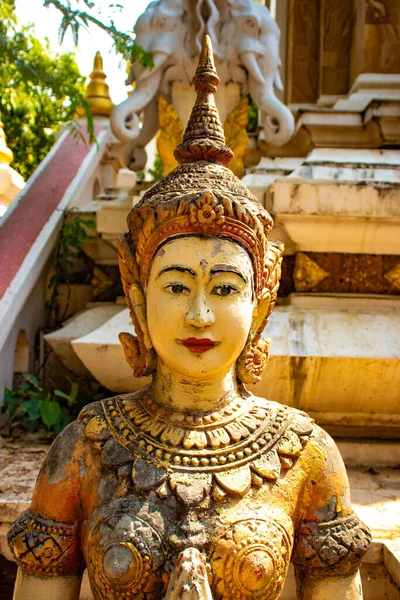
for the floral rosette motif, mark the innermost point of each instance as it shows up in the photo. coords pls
(206, 211)
(250, 560)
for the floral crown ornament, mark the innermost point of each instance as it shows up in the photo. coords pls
(199, 197)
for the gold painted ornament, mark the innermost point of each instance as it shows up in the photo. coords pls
(100, 282)
(307, 274)
(248, 437)
(97, 92)
(394, 276)
(237, 137)
(262, 542)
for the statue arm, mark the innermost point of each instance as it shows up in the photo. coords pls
(346, 588)
(30, 587)
(45, 538)
(330, 539)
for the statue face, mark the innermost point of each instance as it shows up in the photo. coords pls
(200, 304)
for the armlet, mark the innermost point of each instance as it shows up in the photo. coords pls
(45, 548)
(331, 548)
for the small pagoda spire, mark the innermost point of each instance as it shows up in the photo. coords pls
(97, 91)
(204, 137)
(6, 154)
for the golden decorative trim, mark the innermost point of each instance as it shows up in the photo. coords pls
(331, 548)
(231, 558)
(394, 276)
(43, 547)
(141, 543)
(236, 136)
(307, 274)
(100, 282)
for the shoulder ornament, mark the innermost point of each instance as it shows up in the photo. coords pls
(331, 548)
(45, 548)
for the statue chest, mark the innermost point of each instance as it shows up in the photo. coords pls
(227, 489)
(134, 543)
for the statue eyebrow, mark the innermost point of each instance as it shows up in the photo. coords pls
(227, 269)
(178, 268)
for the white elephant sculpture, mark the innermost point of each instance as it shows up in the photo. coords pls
(250, 40)
(246, 44)
(163, 30)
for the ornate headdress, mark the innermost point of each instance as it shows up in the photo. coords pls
(200, 197)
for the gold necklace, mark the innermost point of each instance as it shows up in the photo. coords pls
(245, 443)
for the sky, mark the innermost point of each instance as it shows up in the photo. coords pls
(47, 21)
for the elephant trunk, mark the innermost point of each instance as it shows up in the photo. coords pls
(279, 122)
(124, 119)
(135, 154)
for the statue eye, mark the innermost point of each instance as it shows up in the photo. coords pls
(225, 290)
(251, 24)
(177, 288)
(161, 23)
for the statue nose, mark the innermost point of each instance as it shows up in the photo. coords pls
(200, 314)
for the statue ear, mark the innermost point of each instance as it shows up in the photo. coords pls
(260, 313)
(254, 357)
(138, 303)
(139, 351)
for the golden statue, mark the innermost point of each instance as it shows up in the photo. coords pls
(193, 488)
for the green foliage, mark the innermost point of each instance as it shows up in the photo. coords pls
(40, 90)
(76, 126)
(74, 19)
(29, 407)
(156, 173)
(253, 116)
(68, 251)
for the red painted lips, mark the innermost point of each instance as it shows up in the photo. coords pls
(198, 345)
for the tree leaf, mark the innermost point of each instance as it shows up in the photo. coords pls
(61, 394)
(33, 409)
(32, 380)
(73, 393)
(50, 412)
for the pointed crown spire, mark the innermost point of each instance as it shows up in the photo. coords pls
(97, 91)
(204, 138)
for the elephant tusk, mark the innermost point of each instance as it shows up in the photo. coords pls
(250, 62)
(159, 59)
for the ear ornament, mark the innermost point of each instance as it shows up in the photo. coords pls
(138, 348)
